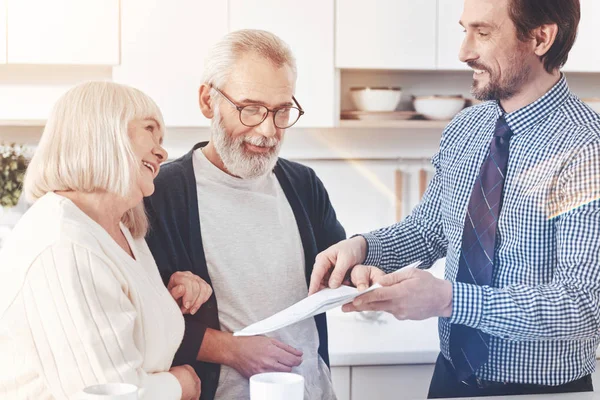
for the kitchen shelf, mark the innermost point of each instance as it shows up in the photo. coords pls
(394, 124)
(22, 122)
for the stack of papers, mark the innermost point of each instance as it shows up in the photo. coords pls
(318, 303)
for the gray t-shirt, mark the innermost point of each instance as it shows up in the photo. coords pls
(256, 263)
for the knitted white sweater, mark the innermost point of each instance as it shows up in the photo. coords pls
(76, 309)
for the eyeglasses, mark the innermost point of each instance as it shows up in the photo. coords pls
(254, 114)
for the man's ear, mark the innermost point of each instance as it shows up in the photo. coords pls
(205, 101)
(544, 37)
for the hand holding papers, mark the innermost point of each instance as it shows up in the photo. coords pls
(318, 303)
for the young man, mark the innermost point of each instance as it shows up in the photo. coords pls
(514, 205)
(247, 222)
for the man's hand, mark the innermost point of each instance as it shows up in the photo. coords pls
(332, 265)
(409, 293)
(256, 354)
(189, 291)
(363, 276)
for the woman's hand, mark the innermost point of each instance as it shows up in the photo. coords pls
(189, 291)
(189, 381)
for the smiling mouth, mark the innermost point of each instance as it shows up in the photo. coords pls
(259, 148)
(149, 166)
(479, 71)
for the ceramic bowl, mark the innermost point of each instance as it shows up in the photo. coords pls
(438, 107)
(376, 98)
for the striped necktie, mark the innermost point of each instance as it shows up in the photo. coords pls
(469, 347)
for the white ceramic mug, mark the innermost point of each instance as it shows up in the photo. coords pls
(277, 386)
(110, 391)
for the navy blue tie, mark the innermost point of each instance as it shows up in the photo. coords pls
(469, 347)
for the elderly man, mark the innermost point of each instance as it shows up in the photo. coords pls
(247, 222)
(514, 205)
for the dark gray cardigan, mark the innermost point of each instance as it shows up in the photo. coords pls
(176, 243)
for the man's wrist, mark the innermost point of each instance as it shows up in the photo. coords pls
(362, 248)
(218, 347)
(230, 346)
(446, 307)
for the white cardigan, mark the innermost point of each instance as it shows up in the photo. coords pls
(77, 310)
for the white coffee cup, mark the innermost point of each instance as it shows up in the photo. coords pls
(110, 391)
(277, 386)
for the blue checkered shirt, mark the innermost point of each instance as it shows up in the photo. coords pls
(542, 309)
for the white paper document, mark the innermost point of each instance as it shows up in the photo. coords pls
(318, 303)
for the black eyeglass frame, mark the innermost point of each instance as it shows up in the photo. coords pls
(273, 111)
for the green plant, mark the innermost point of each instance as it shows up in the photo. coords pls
(13, 163)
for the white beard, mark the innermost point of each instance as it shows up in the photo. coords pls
(236, 159)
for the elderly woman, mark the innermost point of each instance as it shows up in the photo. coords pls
(81, 299)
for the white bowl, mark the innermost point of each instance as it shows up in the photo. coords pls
(594, 103)
(376, 98)
(438, 107)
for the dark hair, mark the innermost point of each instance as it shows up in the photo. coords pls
(530, 14)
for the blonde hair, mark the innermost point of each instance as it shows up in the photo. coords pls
(86, 147)
(226, 53)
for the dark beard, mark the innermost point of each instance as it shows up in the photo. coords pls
(503, 89)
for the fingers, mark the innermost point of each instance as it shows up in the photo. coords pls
(288, 356)
(287, 348)
(287, 360)
(361, 277)
(386, 306)
(190, 290)
(205, 293)
(377, 295)
(396, 277)
(342, 266)
(323, 263)
(177, 292)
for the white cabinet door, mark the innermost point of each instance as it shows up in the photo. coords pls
(450, 35)
(362, 192)
(163, 46)
(308, 28)
(340, 377)
(3, 31)
(585, 57)
(391, 382)
(386, 34)
(79, 32)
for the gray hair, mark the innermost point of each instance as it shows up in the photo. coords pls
(227, 52)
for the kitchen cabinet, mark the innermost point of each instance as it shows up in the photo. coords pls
(78, 32)
(163, 46)
(309, 30)
(450, 35)
(391, 382)
(584, 56)
(386, 34)
(3, 31)
(340, 377)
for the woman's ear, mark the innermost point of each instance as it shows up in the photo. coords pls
(205, 101)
